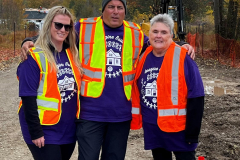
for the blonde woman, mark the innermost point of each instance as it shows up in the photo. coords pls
(49, 86)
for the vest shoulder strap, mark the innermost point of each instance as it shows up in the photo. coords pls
(141, 61)
(90, 20)
(39, 57)
(131, 25)
(145, 53)
(36, 50)
(93, 20)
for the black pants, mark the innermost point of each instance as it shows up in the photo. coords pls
(111, 137)
(52, 151)
(162, 154)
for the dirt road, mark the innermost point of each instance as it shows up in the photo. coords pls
(220, 134)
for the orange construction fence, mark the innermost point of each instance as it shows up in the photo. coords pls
(226, 51)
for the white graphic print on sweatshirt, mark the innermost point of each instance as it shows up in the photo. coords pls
(66, 81)
(113, 63)
(149, 87)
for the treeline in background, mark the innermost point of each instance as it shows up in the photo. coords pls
(202, 17)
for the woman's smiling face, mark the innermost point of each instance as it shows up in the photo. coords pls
(160, 36)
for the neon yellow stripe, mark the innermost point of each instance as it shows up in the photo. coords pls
(127, 50)
(128, 90)
(47, 109)
(48, 99)
(80, 41)
(40, 115)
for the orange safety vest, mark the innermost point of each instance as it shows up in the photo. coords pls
(49, 98)
(171, 91)
(92, 53)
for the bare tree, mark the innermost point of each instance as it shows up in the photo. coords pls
(232, 19)
(218, 11)
(12, 13)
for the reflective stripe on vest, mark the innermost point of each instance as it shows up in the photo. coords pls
(140, 58)
(129, 78)
(47, 104)
(175, 69)
(135, 110)
(172, 112)
(137, 43)
(83, 84)
(43, 72)
(91, 74)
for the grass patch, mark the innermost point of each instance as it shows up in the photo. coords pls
(7, 39)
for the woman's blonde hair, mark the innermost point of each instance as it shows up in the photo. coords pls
(44, 40)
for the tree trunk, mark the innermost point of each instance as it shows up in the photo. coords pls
(238, 30)
(232, 19)
(217, 16)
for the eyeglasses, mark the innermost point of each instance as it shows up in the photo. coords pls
(59, 26)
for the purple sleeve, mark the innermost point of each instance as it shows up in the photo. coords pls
(193, 78)
(28, 73)
(77, 30)
(145, 44)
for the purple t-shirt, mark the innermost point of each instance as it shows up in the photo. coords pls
(112, 105)
(29, 73)
(153, 136)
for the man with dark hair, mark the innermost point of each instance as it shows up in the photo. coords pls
(105, 102)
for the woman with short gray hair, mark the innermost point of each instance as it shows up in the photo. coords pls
(167, 96)
(163, 18)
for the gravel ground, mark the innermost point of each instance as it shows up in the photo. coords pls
(219, 138)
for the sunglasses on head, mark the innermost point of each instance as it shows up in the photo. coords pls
(59, 26)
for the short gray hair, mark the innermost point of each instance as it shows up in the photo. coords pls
(165, 19)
